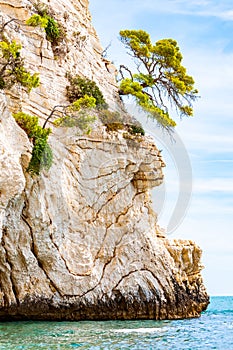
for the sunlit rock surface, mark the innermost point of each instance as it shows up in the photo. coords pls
(81, 241)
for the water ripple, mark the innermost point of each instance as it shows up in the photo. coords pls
(212, 331)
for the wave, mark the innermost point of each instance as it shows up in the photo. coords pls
(140, 330)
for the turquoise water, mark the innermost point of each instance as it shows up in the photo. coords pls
(214, 330)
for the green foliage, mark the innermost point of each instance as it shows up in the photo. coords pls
(2, 83)
(83, 102)
(10, 50)
(12, 70)
(82, 120)
(77, 114)
(42, 156)
(162, 81)
(30, 125)
(107, 117)
(115, 126)
(26, 79)
(136, 129)
(79, 87)
(37, 20)
(114, 121)
(54, 31)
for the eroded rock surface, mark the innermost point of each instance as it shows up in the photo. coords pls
(81, 241)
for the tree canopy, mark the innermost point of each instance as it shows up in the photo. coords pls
(161, 82)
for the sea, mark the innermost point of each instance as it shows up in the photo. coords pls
(213, 330)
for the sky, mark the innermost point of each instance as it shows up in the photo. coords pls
(199, 171)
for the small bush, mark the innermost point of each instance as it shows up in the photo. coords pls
(12, 70)
(79, 87)
(82, 120)
(2, 83)
(26, 79)
(42, 156)
(78, 114)
(115, 126)
(136, 129)
(54, 30)
(30, 125)
(115, 121)
(85, 102)
(37, 20)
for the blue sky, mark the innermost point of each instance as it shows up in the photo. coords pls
(204, 32)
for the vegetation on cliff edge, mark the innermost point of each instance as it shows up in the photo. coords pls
(161, 82)
(12, 70)
(44, 17)
(42, 155)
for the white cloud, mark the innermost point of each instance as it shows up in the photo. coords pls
(220, 161)
(202, 140)
(200, 186)
(226, 15)
(199, 8)
(210, 186)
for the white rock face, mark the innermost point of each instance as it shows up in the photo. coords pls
(13, 143)
(80, 241)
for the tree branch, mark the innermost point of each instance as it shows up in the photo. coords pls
(52, 113)
(127, 69)
(8, 22)
(104, 52)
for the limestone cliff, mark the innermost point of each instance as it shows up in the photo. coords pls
(81, 240)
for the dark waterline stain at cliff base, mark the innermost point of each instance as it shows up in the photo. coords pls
(117, 307)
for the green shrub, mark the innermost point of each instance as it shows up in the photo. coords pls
(115, 121)
(82, 120)
(42, 156)
(30, 125)
(54, 30)
(78, 114)
(2, 83)
(37, 20)
(115, 126)
(27, 80)
(85, 102)
(80, 86)
(136, 129)
(132, 141)
(10, 50)
(12, 70)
